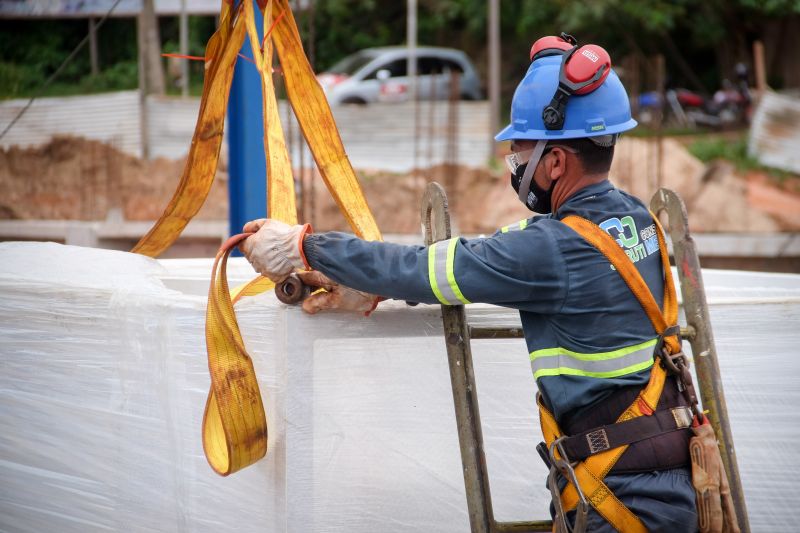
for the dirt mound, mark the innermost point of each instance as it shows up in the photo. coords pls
(716, 197)
(480, 201)
(77, 179)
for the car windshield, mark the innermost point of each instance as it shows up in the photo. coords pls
(350, 64)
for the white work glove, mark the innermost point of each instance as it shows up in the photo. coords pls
(335, 296)
(275, 249)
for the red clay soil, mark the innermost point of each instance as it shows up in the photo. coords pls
(479, 201)
(776, 201)
(78, 179)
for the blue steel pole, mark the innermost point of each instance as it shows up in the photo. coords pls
(247, 167)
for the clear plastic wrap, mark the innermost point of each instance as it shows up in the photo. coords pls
(103, 380)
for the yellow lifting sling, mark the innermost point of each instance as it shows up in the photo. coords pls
(590, 472)
(234, 424)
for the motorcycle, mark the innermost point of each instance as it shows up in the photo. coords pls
(730, 106)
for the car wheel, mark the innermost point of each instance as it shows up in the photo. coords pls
(354, 100)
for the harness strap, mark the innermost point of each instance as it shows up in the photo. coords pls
(601, 240)
(581, 445)
(591, 472)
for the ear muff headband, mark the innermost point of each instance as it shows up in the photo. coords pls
(552, 45)
(581, 75)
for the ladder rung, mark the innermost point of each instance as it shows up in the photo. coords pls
(687, 333)
(495, 333)
(523, 527)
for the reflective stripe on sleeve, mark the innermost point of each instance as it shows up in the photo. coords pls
(560, 361)
(441, 272)
(522, 224)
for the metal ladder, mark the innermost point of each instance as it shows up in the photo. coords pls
(457, 334)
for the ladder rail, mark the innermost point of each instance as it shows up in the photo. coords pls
(436, 227)
(702, 341)
(458, 334)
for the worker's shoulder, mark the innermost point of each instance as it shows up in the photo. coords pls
(533, 227)
(598, 207)
(527, 227)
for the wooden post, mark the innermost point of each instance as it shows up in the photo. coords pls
(93, 46)
(151, 77)
(760, 68)
(431, 130)
(411, 72)
(141, 41)
(494, 73)
(661, 84)
(634, 83)
(312, 59)
(184, 46)
(451, 146)
(411, 43)
(150, 49)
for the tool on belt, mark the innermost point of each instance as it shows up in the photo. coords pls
(715, 509)
(585, 458)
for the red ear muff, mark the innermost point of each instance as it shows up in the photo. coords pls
(548, 46)
(583, 65)
(583, 70)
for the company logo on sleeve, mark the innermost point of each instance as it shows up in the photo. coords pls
(637, 244)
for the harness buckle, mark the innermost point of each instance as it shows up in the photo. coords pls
(674, 363)
(677, 365)
(682, 416)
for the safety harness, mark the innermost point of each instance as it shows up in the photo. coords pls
(586, 458)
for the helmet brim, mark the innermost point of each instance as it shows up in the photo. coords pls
(510, 133)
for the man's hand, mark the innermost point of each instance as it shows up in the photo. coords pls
(336, 296)
(275, 249)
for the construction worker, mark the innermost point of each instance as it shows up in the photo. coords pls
(590, 343)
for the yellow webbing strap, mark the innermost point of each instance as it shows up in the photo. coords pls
(590, 473)
(281, 203)
(234, 423)
(314, 115)
(201, 163)
(280, 182)
(627, 270)
(316, 121)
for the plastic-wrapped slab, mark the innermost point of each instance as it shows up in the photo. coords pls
(103, 380)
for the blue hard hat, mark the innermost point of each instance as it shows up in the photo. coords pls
(604, 111)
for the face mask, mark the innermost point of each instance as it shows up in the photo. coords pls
(538, 199)
(534, 197)
(516, 176)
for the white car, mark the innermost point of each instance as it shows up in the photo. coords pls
(380, 75)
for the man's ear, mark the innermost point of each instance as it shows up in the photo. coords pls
(557, 164)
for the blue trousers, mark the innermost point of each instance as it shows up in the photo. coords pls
(663, 500)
